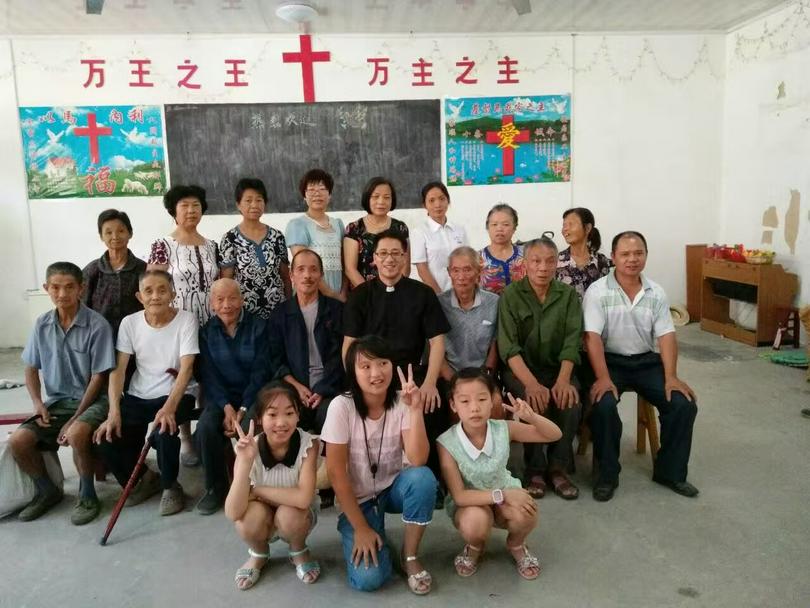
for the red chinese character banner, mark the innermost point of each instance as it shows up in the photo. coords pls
(507, 140)
(88, 151)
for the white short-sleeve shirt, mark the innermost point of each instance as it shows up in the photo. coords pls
(157, 351)
(627, 328)
(432, 243)
(345, 426)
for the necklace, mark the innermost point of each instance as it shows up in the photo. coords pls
(374, 466)
(320, 225)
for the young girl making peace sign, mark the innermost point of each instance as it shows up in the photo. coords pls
(273, 491)
(367, 433)
(473, 456)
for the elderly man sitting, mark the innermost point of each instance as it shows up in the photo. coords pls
(234, 365)
(473, 317)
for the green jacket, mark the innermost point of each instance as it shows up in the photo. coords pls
(544, 334)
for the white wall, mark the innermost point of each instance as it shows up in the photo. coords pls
(646, 146)
(766, 141)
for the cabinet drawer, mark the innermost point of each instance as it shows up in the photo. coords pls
(731, 271)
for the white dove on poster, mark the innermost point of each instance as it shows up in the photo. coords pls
(455, 111)
(132, 135)
(55, 137)
(559, 106)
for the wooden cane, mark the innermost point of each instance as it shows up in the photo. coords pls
(127, 490)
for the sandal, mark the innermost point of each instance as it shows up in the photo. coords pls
(536, 486)
(304, 570)
(465, 564)
(528, 566)
(563, 486)
(419, 583)
(250, 576)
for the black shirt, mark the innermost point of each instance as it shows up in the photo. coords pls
(406, 317)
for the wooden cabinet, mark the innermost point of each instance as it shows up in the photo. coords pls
(770, 288)
(694, 279)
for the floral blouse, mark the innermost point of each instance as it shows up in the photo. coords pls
(257, 268)
(497, 274)
(365, 241)
(581, 278)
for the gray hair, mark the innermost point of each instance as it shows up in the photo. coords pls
(469, 252)
(542, 241)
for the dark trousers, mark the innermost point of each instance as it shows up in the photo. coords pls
(558, 455)
(211, 442)
(311, 420)
(643, 374)
(121, 455)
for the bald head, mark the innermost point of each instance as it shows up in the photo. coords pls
(226, 300)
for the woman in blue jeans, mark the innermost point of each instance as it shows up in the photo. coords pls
(368, 433)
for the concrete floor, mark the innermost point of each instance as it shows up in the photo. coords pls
(744, 542)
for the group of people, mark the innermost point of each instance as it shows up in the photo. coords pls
(414, 392)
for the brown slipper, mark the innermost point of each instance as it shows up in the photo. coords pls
(536, 486)
(563, 487)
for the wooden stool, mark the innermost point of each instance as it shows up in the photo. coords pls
(646, 428)
(787, 332)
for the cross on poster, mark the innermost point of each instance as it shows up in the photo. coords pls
(507, 140)
(93, 151)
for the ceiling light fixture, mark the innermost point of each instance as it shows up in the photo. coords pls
(296, 12)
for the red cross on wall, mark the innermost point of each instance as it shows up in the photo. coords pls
(306, 57)
(506, 139)
(92, 131)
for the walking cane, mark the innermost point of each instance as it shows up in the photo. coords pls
(127, 490)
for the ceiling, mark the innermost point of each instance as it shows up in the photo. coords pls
(68, 17)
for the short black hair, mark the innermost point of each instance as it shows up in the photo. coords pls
(371, 185)
(390, 234)
(586, 217)
(429, 186)
(68, 268)
(311, 252)
(249, 183)
(110, 215)
(470, 374)
(315, 176)
(268, 394)
(628, 234)
(505, 208)
(177, 193)
(373, 347)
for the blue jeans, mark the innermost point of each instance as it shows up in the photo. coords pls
(413, 494)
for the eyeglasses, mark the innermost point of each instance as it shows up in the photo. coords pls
(316, 190)
(394, 255)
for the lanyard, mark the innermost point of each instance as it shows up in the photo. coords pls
(374, 466)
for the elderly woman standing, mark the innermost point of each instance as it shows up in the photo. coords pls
(255, 254)
(317, 231)
(379, 197)
(501, 260)
(193, 262)
(189, 257)
(111, 281)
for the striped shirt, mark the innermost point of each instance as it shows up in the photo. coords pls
(345, 426)
(283, 474)
(627, 328)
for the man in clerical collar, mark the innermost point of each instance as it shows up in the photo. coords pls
(234, 365)
(407, 314)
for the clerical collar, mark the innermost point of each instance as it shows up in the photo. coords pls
(269, 461)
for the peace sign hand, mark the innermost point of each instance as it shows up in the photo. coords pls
(409, 392)
(521, 409)
(245, 448)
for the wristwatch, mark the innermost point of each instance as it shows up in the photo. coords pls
(497, 496)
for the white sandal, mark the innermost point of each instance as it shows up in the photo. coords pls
(422, 578)
(251, 575)
(465, 564)
(301, 570)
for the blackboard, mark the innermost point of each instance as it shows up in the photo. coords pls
(213, 145)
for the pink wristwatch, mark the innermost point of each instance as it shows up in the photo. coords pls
(497, 496)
